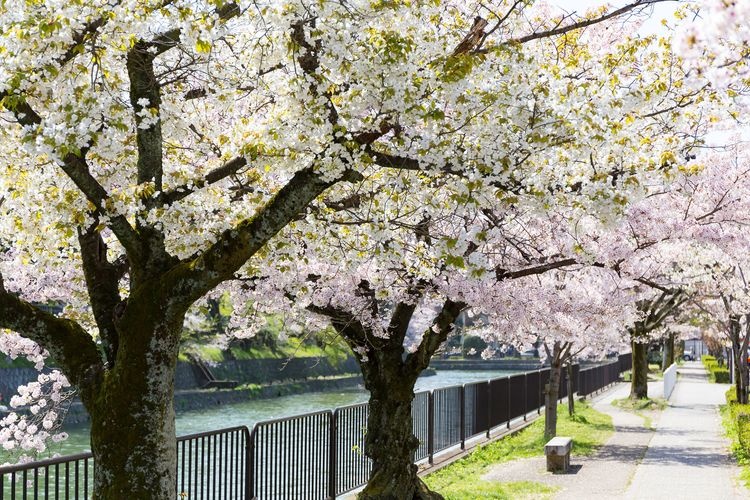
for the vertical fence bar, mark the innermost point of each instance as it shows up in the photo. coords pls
(249, 450)
(332, 455)
(489, 408)
(430, 427)
(462, 415)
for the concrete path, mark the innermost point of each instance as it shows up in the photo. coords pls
(606, 474)
(684, 458)
(688, 457)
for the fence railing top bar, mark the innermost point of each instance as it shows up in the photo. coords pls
(449, 387)
(477, 382)
(339, 409)
(9, 469)
(292, 417)
(187, 437)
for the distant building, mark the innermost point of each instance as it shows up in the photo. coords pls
(697, 347)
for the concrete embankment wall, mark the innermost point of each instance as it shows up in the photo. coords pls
(480, 364)
(11, 378)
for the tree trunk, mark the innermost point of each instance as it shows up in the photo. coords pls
(739, 349)
(132, 415)
(390, 441)
(668, 358)
(743, 380)
(740, 375)
(639, 379)
(551, 396)
(571, 399)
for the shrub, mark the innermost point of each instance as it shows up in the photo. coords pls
(476, 343)
(731, 395)
(743, 430)
(654, 358)
(716, 373)
(719, 375)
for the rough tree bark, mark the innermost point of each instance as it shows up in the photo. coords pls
(639, 379)
(740, 350)
(668, 357)
(551, 396)
(558, 356)
(390, 377)
(390, 441)
(655, 311)
(571, 399)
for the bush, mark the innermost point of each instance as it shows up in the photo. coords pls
(719, 375)
(743, 430)
(716, 373)
(476, 343)
(654, 358)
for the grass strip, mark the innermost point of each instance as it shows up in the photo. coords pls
(462, 480)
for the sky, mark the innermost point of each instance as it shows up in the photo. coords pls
(663, 10)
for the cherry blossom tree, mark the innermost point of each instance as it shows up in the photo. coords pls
(581, 311)
(154, 150)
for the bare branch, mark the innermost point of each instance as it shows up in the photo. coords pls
(582, 24)
(67, 342)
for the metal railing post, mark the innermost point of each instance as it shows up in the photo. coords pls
(430, 426)
(510, 408)
(249, 463)
(489, 407)
(539, 395)
(462, 414)
(333, 419)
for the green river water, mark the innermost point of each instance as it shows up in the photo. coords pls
(251, 412)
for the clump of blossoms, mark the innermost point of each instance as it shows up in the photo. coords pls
(39, 407)
(13, 346)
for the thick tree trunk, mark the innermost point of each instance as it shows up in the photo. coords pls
(390, 443)
(639, 379)
(132, 415)
(551, 396)
(571, 399)
(739, 349)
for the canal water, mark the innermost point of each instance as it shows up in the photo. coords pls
(258, 410)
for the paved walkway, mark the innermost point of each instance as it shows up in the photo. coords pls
(688, 456)
(684, 458)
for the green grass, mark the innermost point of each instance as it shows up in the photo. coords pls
(462, 479)
(517, 490)
(730, 419)
(644, 408)
(647, 404)
(334, 350)
(654, 373)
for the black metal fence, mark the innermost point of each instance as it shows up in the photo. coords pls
(318, 455)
